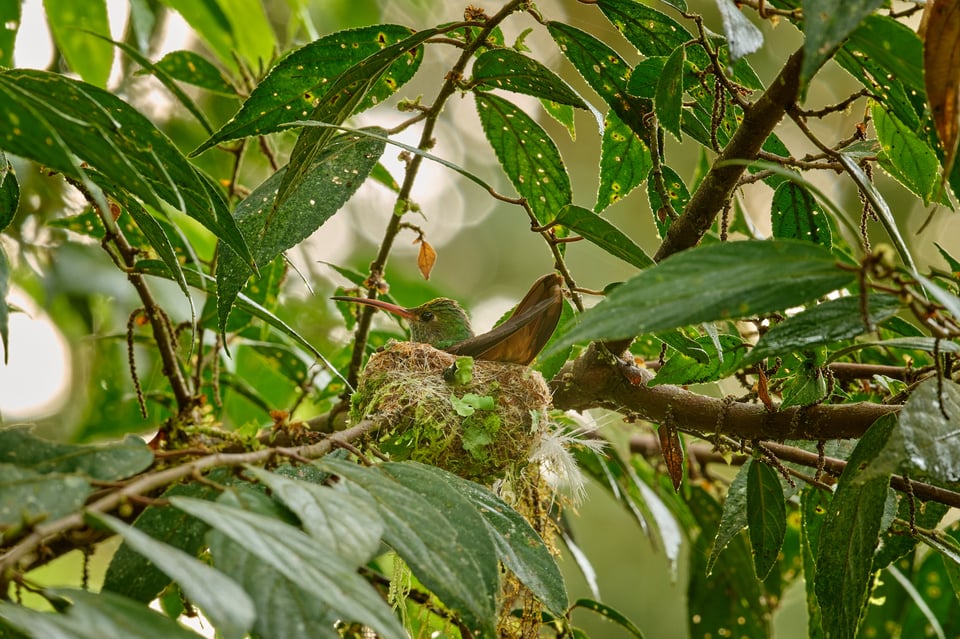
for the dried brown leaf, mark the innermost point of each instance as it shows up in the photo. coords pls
(426, 258)
(672, 451)
(941, 63)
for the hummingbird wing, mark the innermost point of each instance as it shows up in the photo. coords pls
(525, 332)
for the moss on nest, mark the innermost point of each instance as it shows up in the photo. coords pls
(476, 419)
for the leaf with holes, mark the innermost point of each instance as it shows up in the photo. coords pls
(677, 193)
(528, 156)
(797, 215)
(512, 71)
(625, 162)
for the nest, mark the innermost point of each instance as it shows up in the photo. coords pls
(477, 419)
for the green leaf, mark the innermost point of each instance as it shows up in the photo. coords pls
(686, 369)
(562, 113)
(930, 425)
(668, 100)
(742, 36)
(439, 535)
(28, 497)
(814, 505)
(223, 601)
(210, 22)
(105, 462)
(10, 18)
(334, 177)
(318, 570)
(528, 156)
(653, 33)
(70, 23)
(133, 574)
(602, 233)
(676, 190)
(512, 71)
(796, 215)
(832, 321)
(906, 156)
(518, 545)
(714, 282)
(808, 385)
(625, 162)
(302, 79)
(734, 517)
(766, 516)
(114, 139)
(352, 90)
(93, 616)
(604, 70)
(193, 68)
(610, 614)
(4, 309)
(849, 535)
(343, 522)
(251, 31)
(893, 45)
(9, 192)
(827, 23)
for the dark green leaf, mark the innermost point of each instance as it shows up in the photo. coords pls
(9, 192)
(4, 310)
(220, 598)
(807, 385)
(93, 616)
(930, 425)
(334, 177)
(895, 544)
(742, 36)
(683, 344)
(625, 161)
(684, 369)
(814, 505)
(345, 523)
(734, 517)
(650, 31)
(318, 570)
(297, 84)
(10, 18)
(668, 101)
(431, 537)
(352, 90)
(113, 138)
(832, 321)
(676, 191)
(28, 497)
(906, 156)
(797, 215)
(511, 71)
(602, 233)
(70, 23)
(136, 576)
(766, 516)
(528, 156)
(518, 545)
(827, 23)
(193, 68)
(610, 614)
(849, 535)
(714, 282)
(893, 45)
(106, 462)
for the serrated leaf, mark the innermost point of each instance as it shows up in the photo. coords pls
(734, 517)
(9, 192)
(518, 545)
(334, 177)
(766, 516)
(70, 23)
(193, 68)
(512, 71)
(602, 233)
(668, 100)
(827, 23)
(220, 598)
(112, 138)
(806, 386)
(941, 58)
(742, 36)
(675, 189)
(562, 113)
(714, 282)
(930, 425)
(795, 214)
(28, 497)
(432, 542)
(105, 462)
(681, 368)
(625, 162)
(849, 535)
(527, 155)
(905, 155)
(345, 523)
(891, 44)
(653, 33)
(351, 91)
(294, 87)
(318, 570)
(832, 321)
(93, 616)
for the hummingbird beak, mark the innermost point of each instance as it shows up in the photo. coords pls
(384, 306)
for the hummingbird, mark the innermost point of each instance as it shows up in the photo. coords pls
(443, 324)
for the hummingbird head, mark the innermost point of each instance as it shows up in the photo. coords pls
(440, 322)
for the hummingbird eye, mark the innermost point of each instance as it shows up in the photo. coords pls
(426, 316)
